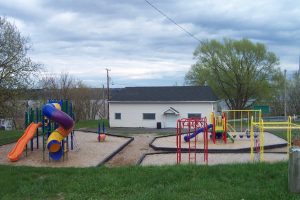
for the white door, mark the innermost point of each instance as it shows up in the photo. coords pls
(171, 120)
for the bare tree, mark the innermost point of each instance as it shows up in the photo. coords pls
(17, 70)
(86, 100)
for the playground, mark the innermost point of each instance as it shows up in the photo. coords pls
(231, 137)
(49, 140)
(87, 152)
(235, 136)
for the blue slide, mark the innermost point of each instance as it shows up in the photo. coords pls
(187, 138)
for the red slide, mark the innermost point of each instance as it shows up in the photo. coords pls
(17, 151)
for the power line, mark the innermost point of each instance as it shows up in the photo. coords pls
(171, 20)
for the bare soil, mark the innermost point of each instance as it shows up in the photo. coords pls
(131, 154)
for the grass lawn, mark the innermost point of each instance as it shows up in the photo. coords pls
(242, 181)
(7, 137)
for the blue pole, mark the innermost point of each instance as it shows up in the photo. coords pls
(103, 126)
(99, 130)
(31, 120)
(37, 131)
(72, 133)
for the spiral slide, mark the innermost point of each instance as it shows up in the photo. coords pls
(66, 124)
(17, 151)
(187, 138)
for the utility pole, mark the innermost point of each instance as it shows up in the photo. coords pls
(103, 101)
(285, 105)
(107, 82)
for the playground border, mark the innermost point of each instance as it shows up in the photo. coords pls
(185, 150)
(107, 158)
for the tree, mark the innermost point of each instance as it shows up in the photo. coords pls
(17, 70)
(86, 101)
(294, 94)
(239, 71)
(59, 87)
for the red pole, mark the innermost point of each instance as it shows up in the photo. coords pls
(189, 130)
(214, 131)
(177, 146)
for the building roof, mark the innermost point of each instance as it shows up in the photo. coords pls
(170, 93)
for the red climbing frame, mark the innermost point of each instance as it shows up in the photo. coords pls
(190, 126)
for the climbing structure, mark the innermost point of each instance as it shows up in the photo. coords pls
(261, 126)
(219, 127)
(191, 127)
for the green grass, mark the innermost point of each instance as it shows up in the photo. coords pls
(7, 137)
(90, 123)
(244, 181)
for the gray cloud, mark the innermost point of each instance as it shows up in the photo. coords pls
(139, 45)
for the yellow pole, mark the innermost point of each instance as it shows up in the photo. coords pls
(234, 120)
(262, 140)
(252, 140)
(241, 121)
(248, 120)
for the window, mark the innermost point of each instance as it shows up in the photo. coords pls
(149, 116)
(194, 115)
(117, 115)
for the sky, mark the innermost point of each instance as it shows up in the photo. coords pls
(140, 46)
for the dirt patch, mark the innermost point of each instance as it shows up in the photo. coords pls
(131, 154)
(213, 159)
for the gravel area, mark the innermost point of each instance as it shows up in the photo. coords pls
(213, 159)
(131, 154)
(239, 143)
(87, 152)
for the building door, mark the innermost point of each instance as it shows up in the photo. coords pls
(171, 120)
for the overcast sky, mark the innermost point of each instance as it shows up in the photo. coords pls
(138, 44)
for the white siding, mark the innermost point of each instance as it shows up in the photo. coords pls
(132, 113)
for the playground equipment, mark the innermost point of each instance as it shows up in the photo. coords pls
(34, 118)
(193, 126)
(29, 133)
(261, 125)
(101, 135)
(54, 142)
(219, 127)
(239, 121)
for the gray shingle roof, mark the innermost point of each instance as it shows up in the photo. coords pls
(170, 93)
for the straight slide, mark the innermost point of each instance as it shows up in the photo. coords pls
(187, 138)
(17, 151)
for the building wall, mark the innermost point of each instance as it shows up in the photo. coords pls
(132, 114)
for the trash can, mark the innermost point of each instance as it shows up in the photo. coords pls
(158, 125)
(294, 170)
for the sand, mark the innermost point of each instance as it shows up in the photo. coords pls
(88, 152)
(239, 143)
(213, 159)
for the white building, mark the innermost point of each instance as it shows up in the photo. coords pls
(152, 107)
